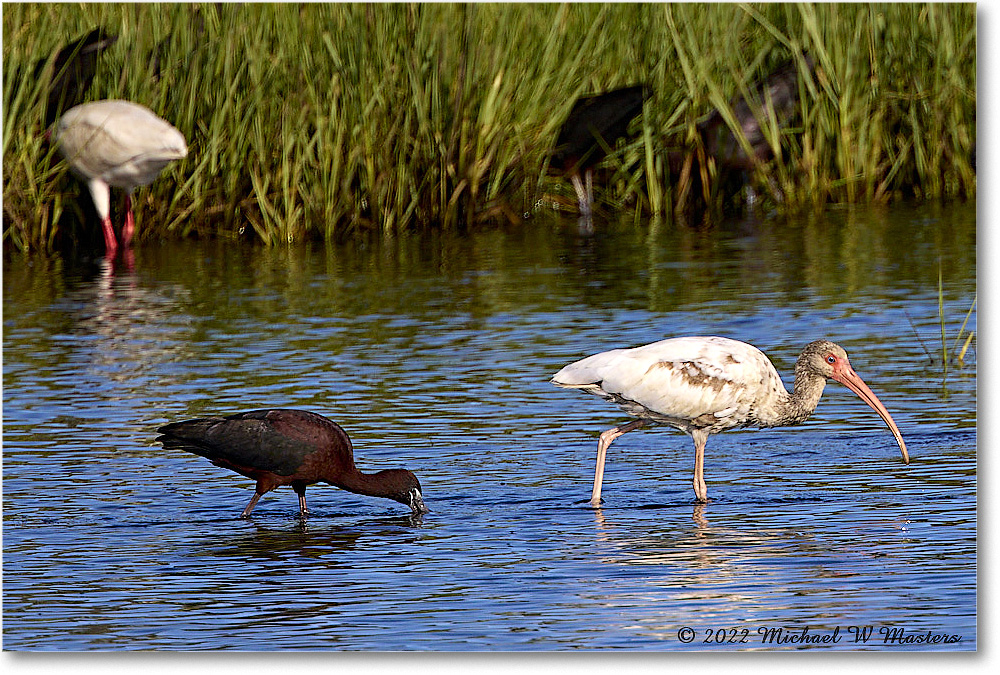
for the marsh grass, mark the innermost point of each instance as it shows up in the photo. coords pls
(963, 334)
(963, 337)
(316, 120)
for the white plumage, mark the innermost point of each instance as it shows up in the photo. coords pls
(704, 385)
(117, 144)
(680, 380)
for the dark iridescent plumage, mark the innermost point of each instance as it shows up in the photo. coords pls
(288, 447)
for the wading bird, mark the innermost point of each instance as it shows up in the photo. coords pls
(770, 105)
(593, 126)
(116, 144)
(773, 102)
(704, 385)
(73, 70)
(288, 447)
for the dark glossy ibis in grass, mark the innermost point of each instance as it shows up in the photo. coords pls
(288, 447)
(116, 144)
(593, 126)
(704, 385)
(773, 101)
(73, 71)
(770, 105)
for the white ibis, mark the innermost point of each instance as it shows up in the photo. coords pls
(117, 144)
(704, 385)
(288, 447)
(594, 124)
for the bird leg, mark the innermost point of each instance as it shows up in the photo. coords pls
(700, 488)
(602, 449)
(101, 195)
(582, 197)
(129, 228)
(253, 503)
(589, 176)
(110, 241)
(300, 490)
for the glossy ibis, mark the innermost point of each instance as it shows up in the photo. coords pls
(774, 100)
(704, 385)
(594, 124)
(116, 144)
(73, 71)
(288, 447)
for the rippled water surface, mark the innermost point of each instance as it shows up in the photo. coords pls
(434, 353)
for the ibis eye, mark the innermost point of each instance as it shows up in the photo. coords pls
(831, 359)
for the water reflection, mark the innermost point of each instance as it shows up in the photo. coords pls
(127, 328)
(434, 352)
(713, 575)
(305, 539)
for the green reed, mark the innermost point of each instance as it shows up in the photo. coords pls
(965, 337)
(316, 120)
(962, 333)
(968, 335)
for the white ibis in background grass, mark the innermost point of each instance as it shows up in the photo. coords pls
(593, 126)
(73, 70)
(117, 144)
(704, 385)
(288, 447)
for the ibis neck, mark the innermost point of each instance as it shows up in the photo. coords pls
(378, 484)
(807, 392)
(800, 404)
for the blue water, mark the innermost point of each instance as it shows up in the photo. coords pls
(434, 353)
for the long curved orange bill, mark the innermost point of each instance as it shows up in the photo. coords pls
(847, 377)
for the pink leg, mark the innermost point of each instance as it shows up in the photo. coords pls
(101, 194)
(110, 242)
(700, 488)
(602, 449)
(302, 505)
(253, 503)
(129, 228)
